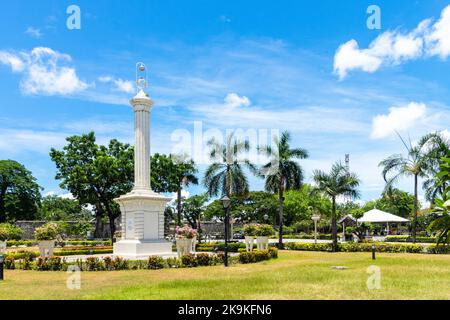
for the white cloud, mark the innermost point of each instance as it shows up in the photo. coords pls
(395, 47)
(34, 32)
(349, 57)
(119, 84)
(124, 86)
(439, 37)
(16, 64)
(232, 100)
(43, 72)
(399, 119)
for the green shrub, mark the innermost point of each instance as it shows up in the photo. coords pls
(9, 263)
(10, 232)
(438, 249)
(25, 263)
(250, 229)
(410, 239)
(265, 230)
(257, 256)
(49, 264)
(155, 262)
(120, 264)
(204, 259)
(273, 253)
(308, 246)
(189, 260)
(108, 263)
(246, 257)
(232, 246)
(94, 264)
(173, 263)
(21, 254)
(28, 243)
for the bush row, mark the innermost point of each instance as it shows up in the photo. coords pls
(257, 256)
(367, 247)
(304, 236)
(410, 239)
(31, 243)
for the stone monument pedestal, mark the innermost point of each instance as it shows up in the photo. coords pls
(142, 225)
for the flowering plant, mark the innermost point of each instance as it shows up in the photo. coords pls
(186, 232)
(48, 231)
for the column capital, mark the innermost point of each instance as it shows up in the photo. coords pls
(141, 100)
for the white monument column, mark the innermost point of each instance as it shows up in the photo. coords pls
(142, 209)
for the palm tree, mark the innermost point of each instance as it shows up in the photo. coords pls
(437, 147)
(282, 172)
(226, 173)
(339, 182)
(185, 174)
(415, 164)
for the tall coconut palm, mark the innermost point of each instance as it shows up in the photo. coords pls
(339, 182)
(282, 173)
(226, 173)
(415, 164)
(436, 146)
(185, 171)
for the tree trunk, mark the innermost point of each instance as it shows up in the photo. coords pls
(112, 227)
(280, 226)
(179, 206)
(334, 225)
(415, 209)
(2, 205)
(199, 230)
(98, 221)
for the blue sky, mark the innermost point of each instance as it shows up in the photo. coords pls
(313, 68)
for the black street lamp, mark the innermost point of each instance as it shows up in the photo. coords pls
(226, 205)
(1, 265)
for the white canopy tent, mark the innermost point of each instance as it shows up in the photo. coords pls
(378, 216)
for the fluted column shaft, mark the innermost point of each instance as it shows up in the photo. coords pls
(141, 108)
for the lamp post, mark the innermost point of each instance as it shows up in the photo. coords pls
(2, 257)
(315, 218)
(226, 205)
(266, 217)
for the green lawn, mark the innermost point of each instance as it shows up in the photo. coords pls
(295, 275)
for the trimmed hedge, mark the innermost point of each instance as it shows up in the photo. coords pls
(304, 236)
(32, 243)
(367, 247)
(257, 256)
(410, 239)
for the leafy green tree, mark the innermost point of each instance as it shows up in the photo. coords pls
(19, 192)
(337, 183)
(54, 208)
(226, 173)
(251, 207)
(185, 170)
(164, 177)
(95, 174)
(193, 209)
(394, 201)
(415, 164)
(300, 205)
(282, 172)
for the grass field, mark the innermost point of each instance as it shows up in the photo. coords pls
(295, 275)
